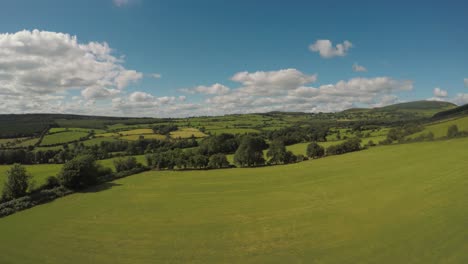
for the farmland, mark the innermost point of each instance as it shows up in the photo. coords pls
(62, 137)
(364, 211)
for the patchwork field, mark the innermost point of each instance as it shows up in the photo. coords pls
(393, 204)
(39, 172)
(62, 137)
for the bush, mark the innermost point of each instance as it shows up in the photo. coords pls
(17, 182)
(350, 145)
(80, 172)
(51, 182)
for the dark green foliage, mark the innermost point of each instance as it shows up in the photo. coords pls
(277, 153)
(17, 182)
(314, 150)
(350, 145)
(164, 129)
(80, 172)
(399, 133)
(250, 152)
(296, 134)
(452, 131)
(51, 182)
(124, 164)
(223, 143)
(218, 161)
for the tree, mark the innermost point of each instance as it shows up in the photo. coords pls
(250, 152)
(452, 131)
(17, 182)
(277, 152)
(125, 164)
(218, 161)
(314, 150)
(200, 161)
(80, 172)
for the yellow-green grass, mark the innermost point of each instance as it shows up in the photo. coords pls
(232, 131)
(98, 140)
(301, 148)
(76, 129)
(394, 204)
(140, 131)
(146, 136)
(62, 137)
(11, 140)
(59, 147)
(187, 132)
(109, 163)
(440, 128)
(108, 134)
(27, 142)
(39, 173)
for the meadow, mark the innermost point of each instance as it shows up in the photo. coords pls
(440, 128)
(39, 172)
(394, 204)
(62, 137)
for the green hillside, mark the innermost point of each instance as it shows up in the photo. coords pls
(395, 204)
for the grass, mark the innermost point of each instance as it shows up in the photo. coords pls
(38, 172)
(187, 132)
(109, 163)
(440, 128)
(62, 137)
(147, 136)
(393, 204)
(140, 131)
(232, 131)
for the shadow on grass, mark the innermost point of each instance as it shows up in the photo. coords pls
(100, 187)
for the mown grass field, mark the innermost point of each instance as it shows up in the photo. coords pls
(187, 132)
(394, 204)
(62, 137)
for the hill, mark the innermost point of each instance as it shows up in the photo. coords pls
(421, 108)
(458, 111)
(394, 204)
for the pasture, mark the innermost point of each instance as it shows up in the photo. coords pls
(394, 204)
(38, 172)
(440, 128)
(62, 137)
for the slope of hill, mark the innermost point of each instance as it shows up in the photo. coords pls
(458, 111)
(423, 108)
(394, 204)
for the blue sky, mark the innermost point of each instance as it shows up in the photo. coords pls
(197, 47)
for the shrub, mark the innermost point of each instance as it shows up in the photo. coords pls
(452, 131)
(250, 152)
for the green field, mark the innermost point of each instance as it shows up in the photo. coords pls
(187, 132)
(62, 137)
(38, 172)
(440, 128)
(394, 204)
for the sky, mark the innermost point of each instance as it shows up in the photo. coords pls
(188, 58)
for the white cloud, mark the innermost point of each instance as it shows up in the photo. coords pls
(121, 3)
(272, 82)
(325, 48)
(466, 82)
(212, 89)
(140, 97)
(156, 75)
(440, 93)
(359, 68)
(37, 63)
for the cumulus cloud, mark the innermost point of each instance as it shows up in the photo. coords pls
(326, 49)
(272, 82)
(212, 89)
(440, 93)
(122, 3)
(156, 75)
(359, 68)
(38, 63)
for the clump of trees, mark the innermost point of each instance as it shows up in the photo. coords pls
(250, 151)
(350, 145)
(223, 143)
(452, 131)
(278, 154)
(126, 164)
(164, 129)
(81, 172)
(297, 134)
(16, 184)
(218, 161)
(314, 150)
